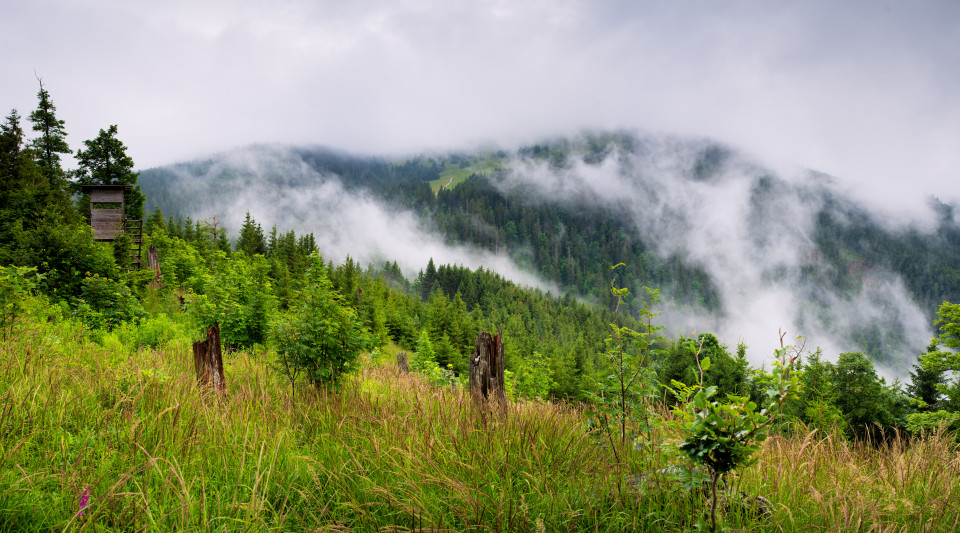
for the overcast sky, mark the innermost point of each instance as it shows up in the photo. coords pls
(865, 90)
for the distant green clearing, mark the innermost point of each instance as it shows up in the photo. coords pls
(452, 175)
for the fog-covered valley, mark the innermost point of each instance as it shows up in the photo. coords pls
(773, 243)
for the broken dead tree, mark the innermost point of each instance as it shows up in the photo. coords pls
(153, 263)
(208, 361)
(486, 368)
(402, 366)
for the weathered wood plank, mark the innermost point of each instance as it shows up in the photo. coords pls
(101, 196)
(112, 215)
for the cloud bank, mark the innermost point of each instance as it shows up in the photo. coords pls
(752, 229)
(858, 89)
(279, 188)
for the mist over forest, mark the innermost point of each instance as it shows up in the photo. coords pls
(737, 247)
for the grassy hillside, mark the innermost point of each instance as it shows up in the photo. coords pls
(129, 428)
(455, 173)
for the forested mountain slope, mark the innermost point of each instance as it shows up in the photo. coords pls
(734, 246)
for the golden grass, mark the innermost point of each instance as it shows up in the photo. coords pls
(388, 453)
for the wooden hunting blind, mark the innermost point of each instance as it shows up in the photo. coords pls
(108, 219)
(106, 210)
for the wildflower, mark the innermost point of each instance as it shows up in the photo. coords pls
(84, 500)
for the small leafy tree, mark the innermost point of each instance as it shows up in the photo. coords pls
(320, 336)
(627, 350)
(724, 435)
(237, 294)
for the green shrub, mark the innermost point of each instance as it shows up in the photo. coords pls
(152, 332)
(180, 263)
(107, 303)
(424, 362)
(320, 336)
(237, 294)
(16, 285)
(66, 255)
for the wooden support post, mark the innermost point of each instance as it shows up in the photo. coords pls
(208, 362)
(486, 368)
(402, 366)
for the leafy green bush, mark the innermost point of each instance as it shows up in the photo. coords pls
(152, 332)
(108, 303)
(237, 294)
(66, 255)
(319, 336)
(424, 362)
(724, 435)
(532, 378)
(16, 284)
(180, 263)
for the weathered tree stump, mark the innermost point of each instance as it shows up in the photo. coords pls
(486, 368)
(208, 362)
(153, 263)
(402, 363)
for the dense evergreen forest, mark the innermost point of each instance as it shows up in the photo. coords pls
(844, 253)
(307, 320)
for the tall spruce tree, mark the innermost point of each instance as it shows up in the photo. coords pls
(25, 194)
(427, 280)
(52, 140)
(251, 239)
(11, 153)
(105, 162)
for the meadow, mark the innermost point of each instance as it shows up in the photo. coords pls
(105, 436)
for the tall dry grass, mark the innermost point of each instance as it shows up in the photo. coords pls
(387, 453)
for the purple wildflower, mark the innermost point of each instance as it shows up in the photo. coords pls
(84, 499)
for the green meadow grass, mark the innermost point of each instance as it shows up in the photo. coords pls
(453, 175)
(155, 452)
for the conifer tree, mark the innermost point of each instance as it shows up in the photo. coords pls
(251, 239)
(11, 151)
(52, 140)
(25, 195)
(105, 162)
(155, 220)
(427, 280)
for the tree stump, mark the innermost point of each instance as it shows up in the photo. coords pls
(486, 368)
(208, 362)
(402, 363)
(153, 263)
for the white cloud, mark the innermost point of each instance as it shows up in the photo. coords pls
(860, 90)
(752, 230)
(343, 222)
